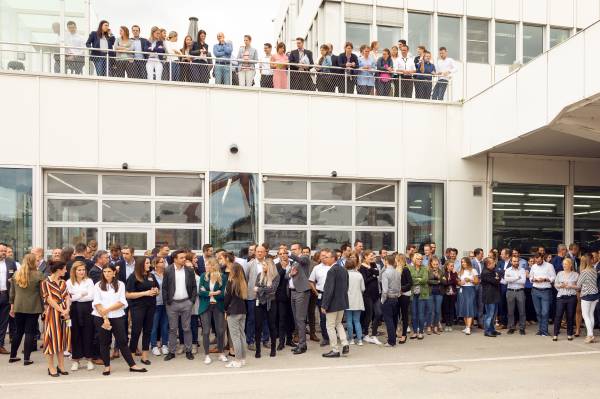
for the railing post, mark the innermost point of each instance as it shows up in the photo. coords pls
(170, 70)
(106, 66)
(289, 77)
(345, 81)
(231, 72)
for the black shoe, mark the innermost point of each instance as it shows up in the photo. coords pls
(538, 333)
(142, 370)
(257, 354)
(324, 342)
(146, 362)
(273, 352)
(281, 346)
(346, 349)
(53, 375)
(299, 350)
(496, 333)
(291, 343)
(331, 354)
(489, 335)
(61, 372)
(27, 362)
(189, 355)
(522, 332)
(511, 331)
(14, 359)
(169, 357)
(106, 372)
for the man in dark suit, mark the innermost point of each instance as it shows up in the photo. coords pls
(79, 256)
(8, 267)
(96, 271)
(334, 302)
(207, 252)
(300, 293)
(300, 63)
(349, 61)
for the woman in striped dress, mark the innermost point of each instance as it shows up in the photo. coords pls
(56, 299)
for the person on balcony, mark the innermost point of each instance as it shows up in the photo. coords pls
(445, 67)
(366, 75)
(75, 54)
(300, 63)
(139, 59)
(349, 61)
(247, 59)
(324, 76)
(203, 59)
(172, 66)
(279, 63)
(222, 51)
(266, 72)
(385, 67)
(124, 59)
(424, 76)
(101, 40)
(154, 66)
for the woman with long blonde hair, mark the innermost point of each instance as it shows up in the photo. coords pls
(25, 307)
(236, 293)
(265, 287)
(405, 294)
(212, 308)
(468, 278)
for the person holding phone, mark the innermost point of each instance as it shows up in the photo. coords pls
(265, 288)
(81, 289)
(141, 291)
(566, 298)
(212, 309)
(468, 279)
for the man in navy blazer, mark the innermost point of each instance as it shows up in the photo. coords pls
(300, 77)
(479, 265)
(139, 59)
(207, 252)
(8, 268)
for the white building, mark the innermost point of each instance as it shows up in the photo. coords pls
(121, 160)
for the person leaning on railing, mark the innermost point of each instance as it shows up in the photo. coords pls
(124, 59)
(172, 68)
(445, 67)
(203, 59)
(154, 66)
(349, 61)
(280, 67)
(222, 51)
(385, 67)
(186, 66)
(101, 40)
(247, 59)
(266, 72)
(324, 77)
(301, 59)
(366, 76)
(424, 76)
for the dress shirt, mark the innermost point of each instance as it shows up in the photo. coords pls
(446, 65)
(159, 280)
(170, 48)
(3, 275)
(74, 40)
(108, 298)
(545, 270)
(515, 278)
(137, 47)
(406, 64)
(570, 279)
(81, 292)
(180, 288)
(265, 66)
(291, 280)
(129, 268)
(319, 275)
(505, 267)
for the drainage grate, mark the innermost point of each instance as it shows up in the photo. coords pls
(441, 368)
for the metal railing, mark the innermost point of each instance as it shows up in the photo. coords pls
(192, 69)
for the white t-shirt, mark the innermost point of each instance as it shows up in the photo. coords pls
(470, 274)
(171, 47)
(319, 275)
(265, 66)
(108, 298)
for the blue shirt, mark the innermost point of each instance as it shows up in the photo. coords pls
(365, 78)
(428, 69)
(223, 51)
(137, 47)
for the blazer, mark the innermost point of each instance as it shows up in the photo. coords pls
(420, 278)
(283, 288)
(251, 271)
(342, 60)
(28, 300)
(44, 268)
(335, 292)
(232, 303)
(93, 41)
(301, 264)
(158, 49)
(196, 51)
(168, 285)
(95, 274)
(11, 268)
(201, 266)
(88, 263)
(294, 58)
(490, 286)
(205, 289)
(266, 294)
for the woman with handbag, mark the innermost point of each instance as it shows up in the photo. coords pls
(385, 66)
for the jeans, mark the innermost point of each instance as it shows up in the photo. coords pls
(100, 65)
(322, 322)
(490, 317)
(565, 304)
(439, 90)
(541, 302)
(403, 305)
(419, 308)
(390, 316)
(436, 311)
(160, 325)
(353, 324)
(222, 74)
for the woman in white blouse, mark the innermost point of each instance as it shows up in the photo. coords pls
(109, 302)
(468, 278)
(81, 289)
(566, 298)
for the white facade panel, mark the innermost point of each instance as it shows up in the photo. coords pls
(479, 8)
(588, 12)
(479, 78)
(508, 10)
(561, 12)
(456, 7)
(519, 169)
(421, 5)
(462, 206)
(535, 11)
(532, 90)
(456, 143)
(391, 3)
(592, 60)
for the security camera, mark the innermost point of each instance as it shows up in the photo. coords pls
(333, 173)
(234, 149)
(124, 166)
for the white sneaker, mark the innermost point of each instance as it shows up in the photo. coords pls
(360, 343)
(351, 342)
(207, 360)
(243, 362)
(407, 329)
(90, 365)
(75, 366)
(450, 329)
(467, 331)
(368, 339)
(164, 350)
(156, 351)
(223, 358)
(194, 349)
(233, 364)
(375, 341)
(67, 354)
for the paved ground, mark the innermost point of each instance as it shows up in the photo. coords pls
(445, 366)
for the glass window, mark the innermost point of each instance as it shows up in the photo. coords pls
(178, 212)
(377, 239)
(419, 30)
(375, 216)
(133, 239)
(425, 213)
(477, 41)
(126, 211)
(330, 191)
(586, 217)
(375, 192)
(178, 186)
(331, 215)
(358, 34)
(67, 183)
(233, 223)
(125, 185)
(526, 216)
(285, 189)
(449, 35)
(16, 209)
(506, 43)
(285, 214)
(276, 237)
(329, 239)
(72, 210)
(388, 36)
(533, 42)
(179, 238)
(60, 237)
(558, 35)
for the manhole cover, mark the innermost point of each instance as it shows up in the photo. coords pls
(441, 368)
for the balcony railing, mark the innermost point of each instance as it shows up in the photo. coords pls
(199, 70)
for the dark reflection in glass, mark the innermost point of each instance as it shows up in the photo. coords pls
(276, 237)
(329, 239)
(285, 214)
(60, 237)
(586, 218)
(375, 216)
(425, 214)
(233, 201)
(16, 209)
(377, 240)
(178, 212)
(179, 238)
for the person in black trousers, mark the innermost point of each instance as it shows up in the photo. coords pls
(284, 305)
(300, 63)
(406, 283)
(142, 289)
(81, 289)
(265, 288)
(449, 282)
(372, 314)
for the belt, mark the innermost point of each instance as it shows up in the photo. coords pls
(542, 289)
(180, 300)
(292, 289)
(392, 296)
(514, 289)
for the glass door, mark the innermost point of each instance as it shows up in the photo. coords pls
(139, 239)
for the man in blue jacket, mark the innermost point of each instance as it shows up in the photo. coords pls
(222, 51)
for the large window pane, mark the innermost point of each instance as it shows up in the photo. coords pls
(125, 185)
(477, 41)
(388, 36)
(330, 191)
(179, 238)
(137, 240)
(126, 211)
(558, 35)
(526, 216)
(67, 183)
(329, 239)
(425, 213)
(586, 218)
(377, 239)
(419, 30)
(533, 42)
(72, 210)
(285, 214)
(178, 186)
(358, 34)
(233, 223)
(375, 216)
(60, 237)
(506, 43)
(178, 212)
(16, 209)
(375, 192)
(331, 215)
(449, 35)
(285, 189)
(276, 237)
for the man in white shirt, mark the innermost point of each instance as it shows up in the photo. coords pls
(542, 276)
(74, 52)
(317, 283)
(406, 67)
(445, 67)
(266, 73)
(514, 278)
(7, 270)
(503, 264)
